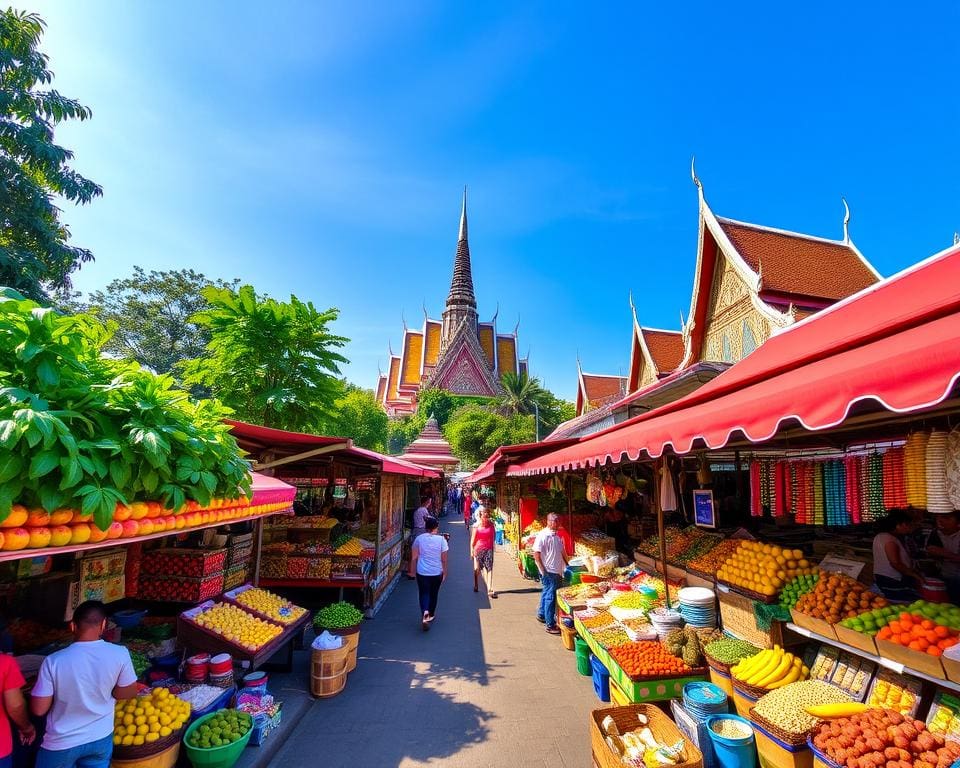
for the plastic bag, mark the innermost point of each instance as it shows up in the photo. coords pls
(326, 642)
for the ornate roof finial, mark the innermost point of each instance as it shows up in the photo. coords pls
(693, 173)
(956, 238)
(463, 216)
(390, 348)
(517, 326)
(846, 220)
(403, 317)
(423, 306)
(493, 320)
(683, 321)
(632, 307)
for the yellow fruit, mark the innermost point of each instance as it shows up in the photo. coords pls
(829, 711)
(165, 731)
(151, 737)
(143, 730)
(138, 741)
(127, 741)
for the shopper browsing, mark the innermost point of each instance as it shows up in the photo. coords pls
(77, 687)
(893, 569)
(944, 544)
(420, 516)
(481, 548)
(428, 560)
(11, 680)
(548, 552)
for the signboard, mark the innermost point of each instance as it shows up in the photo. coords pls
(850, 567)
(704, 514)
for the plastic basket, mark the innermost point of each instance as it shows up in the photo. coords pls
(214, 757)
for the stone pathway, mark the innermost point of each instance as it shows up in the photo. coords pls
(487, 687)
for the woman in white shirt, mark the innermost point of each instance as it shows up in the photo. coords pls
(428, 560)
(893, 569)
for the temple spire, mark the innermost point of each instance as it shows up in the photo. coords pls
(461, 301)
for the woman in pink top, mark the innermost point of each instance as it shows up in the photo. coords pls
(481, 549)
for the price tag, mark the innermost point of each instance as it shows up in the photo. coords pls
(194, 612)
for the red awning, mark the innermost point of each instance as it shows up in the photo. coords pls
(499, 460)
(270, 490)
(393, 464)
(896, 343)
(277, 437)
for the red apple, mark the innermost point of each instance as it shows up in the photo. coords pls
(131, 528)
(115, 531)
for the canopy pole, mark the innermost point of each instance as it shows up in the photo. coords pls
(568, 489)
(655, 500)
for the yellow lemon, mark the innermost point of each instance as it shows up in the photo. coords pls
(138, 741)
(127, 741)
(151, 737)
(143, 730)
(165, 731)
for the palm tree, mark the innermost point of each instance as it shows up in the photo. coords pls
(522, 395)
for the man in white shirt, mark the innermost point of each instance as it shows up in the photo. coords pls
(551, 559)
(78, 687)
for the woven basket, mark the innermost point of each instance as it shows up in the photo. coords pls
(663, 728)
(721, 666)
(793, 739)
(750, 690)
(328, 672)
(148, 750)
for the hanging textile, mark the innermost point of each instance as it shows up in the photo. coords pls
(866, 514)
(668, 496)
(851, 471)
(938, 502)
(915, 469)
(794, 487)
(756, 505)
(952, 467)
(875, 486)
(803, 483)
(894, 489)
(818, 501)
(779, 508)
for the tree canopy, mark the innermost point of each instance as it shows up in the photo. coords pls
(358, 415)
(35, 254)
(475, 431)
(273, 362)
(151, 314)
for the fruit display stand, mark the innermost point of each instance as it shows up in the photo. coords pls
(653, 689)
(198, 638)
(739, 619)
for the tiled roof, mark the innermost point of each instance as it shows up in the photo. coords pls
(381, 388)
(598, 388)
(412, 352)
(486, 341)
(432, 343)
(666, 348)
(507, 354)
(791, 263)
(524, 368)
(393, 378)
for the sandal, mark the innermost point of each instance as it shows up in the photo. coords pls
(492, 595)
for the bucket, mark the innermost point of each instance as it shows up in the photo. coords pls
(221, 664)
(583, 656)
(568, 635)
(733, 752)
(774, 753)
(933, 590)
(328, 671)
(601, 678)
(256, 682)
(351, 641)
(165, 759)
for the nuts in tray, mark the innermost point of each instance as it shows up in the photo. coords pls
(786, 707)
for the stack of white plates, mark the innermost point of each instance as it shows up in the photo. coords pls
(938, 500)
(698, 606)
(665, 619)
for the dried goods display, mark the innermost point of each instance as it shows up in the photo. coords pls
(685, 644)
(594, 544)
(648, 658)
(770, 669)
(838, 596)
(639, 746)
(786, 707)
(852, 674)
(763, 568)
(897, 692)
(598, 621)
(824, 663)
(879, 737)
(710, 562)
(944, 717)
(611, 637)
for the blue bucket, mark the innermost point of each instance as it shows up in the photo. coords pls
(601, 678)
(733, 752)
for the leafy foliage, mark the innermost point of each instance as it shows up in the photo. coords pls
(79, 429)
(521, 394)
(403, 431)
(151, 313)
(35, 254)
(358, 415)
(272, 362)
(475, 432)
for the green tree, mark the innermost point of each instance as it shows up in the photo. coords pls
(403, 431)
(554, 412)
(521, 394)
(151, 314)
(440, 404)
(273, 362)
(475, 432)
(358, 415)
(35, 254)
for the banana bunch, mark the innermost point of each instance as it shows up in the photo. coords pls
(769, 669)
(350, 548)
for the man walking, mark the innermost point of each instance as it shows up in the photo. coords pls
(551, 560)
(78, 687)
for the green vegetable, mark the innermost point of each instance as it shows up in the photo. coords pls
(225, 727)
(730, 650)
(83, 431)
(337, 616)
(796, 588)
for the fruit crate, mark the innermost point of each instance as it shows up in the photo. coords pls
(236, 576)
(189, 563)
(922, 662)
(348, 567)
(240, 550)
(858, 640)
(738, 617)
(273, 566)
(231, 597)
(821, 627)
(111, 563)
(178, 589)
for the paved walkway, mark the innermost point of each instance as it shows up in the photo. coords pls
(487, 687)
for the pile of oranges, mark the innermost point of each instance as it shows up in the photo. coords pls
(915, 631)
(837, 597)
(763, 568)
(648, 658)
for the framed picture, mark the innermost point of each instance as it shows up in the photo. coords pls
(704, 515)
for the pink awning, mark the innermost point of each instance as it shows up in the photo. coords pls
(392, 464)
(271, 490)
(896, 343)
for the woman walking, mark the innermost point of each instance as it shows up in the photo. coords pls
(481, 548)
(428, 561)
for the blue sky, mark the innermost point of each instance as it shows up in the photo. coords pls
(321, 149)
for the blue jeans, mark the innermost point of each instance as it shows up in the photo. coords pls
(548, 598)
(95, 754)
